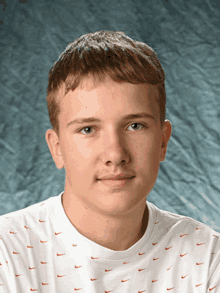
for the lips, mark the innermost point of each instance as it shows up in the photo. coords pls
(112, 179)
(119, 176)
(116, 183)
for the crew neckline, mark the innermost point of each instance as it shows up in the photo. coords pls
(72, 235)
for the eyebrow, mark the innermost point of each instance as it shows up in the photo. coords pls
(96, 119)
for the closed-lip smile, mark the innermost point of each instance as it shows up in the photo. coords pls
(119, 176)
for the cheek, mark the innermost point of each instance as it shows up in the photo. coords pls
(148, 156)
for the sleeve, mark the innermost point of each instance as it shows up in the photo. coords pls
(213, 285)
(214, 281)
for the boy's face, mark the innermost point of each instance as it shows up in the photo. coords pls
(110, 146)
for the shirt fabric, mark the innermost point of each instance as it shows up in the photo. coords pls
(40, 250)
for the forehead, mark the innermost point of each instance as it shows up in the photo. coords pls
(95, 94)
(90, 83)
(107, 85)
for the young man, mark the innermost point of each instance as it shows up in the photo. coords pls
(106, 103)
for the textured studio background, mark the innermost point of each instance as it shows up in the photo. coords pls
(186, 37)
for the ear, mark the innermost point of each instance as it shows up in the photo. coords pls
(166, 134)
(54, 147)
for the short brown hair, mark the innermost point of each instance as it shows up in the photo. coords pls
(104, 53)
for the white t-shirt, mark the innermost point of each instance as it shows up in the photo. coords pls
(40, 250)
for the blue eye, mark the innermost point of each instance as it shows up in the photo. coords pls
(91, 127)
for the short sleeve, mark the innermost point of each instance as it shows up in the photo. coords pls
(214, 272)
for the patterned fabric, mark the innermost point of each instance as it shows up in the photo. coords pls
(40, 250)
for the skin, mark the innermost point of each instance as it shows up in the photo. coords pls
(113, 218)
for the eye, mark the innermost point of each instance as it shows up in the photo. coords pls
(86, 127)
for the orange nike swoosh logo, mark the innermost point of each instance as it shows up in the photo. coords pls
(60, 276)
(141, 291)
(169, 268)
(77, 289)
(16, 252)
(94, 257)
(108, 270)
(141, 270)
(124, 263)
(26, 227)
(93, 279)
(169, 289)
(17, 275)
(183, 277)
(29, 246)
(183, 235)
(41, 221)
(43, 241)
(13, 232)
(43, 263)
(59, 254)
(183, 254)
(154, 243)
(57, 233)
(156, 222)
(199, 263)
(210, 289)
(77, 267)
(45, 283)
(33, 289)
(141, 253)
(198, 285)
(199, 243)
(31, 268)
(108, 291)
(168, 247)
(154, 281)
(199, 228)
(124, 280)
(155, 258)
(74, 244)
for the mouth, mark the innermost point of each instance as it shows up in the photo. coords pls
(115, 179)
(116, 183)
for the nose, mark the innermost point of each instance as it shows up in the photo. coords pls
(115, 151)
